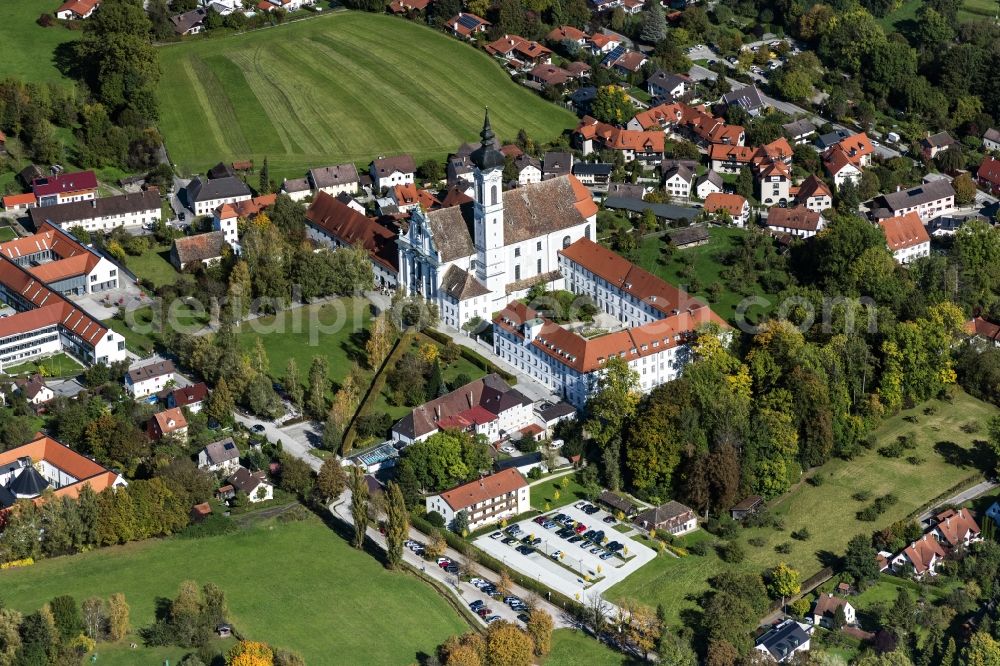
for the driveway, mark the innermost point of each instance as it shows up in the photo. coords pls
(962, 497)
(296, 439)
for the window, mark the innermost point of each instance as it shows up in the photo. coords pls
(586, 232)
(566, 242)
(493, 195)
(539, 269)
(517, 252)
(538, 246)
(517, 272)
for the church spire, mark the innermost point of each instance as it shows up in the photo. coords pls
(488, 156)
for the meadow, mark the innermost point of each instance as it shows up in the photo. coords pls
(29, 50)
(296, 585)
(948, 456)
(324, 90)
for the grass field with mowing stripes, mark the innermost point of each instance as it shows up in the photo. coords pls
(345, 87)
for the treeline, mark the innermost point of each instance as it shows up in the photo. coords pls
(504, 643)
(749, 418)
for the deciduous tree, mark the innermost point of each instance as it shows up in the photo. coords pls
(359, 505)
(397, 525)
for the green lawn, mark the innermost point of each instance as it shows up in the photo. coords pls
(153, 267)
(57, 365)
(545, 493)
(295, 585)
(137, 328)
(975, 10)
(707, 269)
(828, 510)
(7, 234)
(28, 48)
(902, 18)
(571, 647)
(325, 90)
(335, 330)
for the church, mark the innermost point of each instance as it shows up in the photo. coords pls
(473, 259)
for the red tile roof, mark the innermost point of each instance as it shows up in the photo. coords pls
(731, 203)
(922, 552)
(798, 217)
(510, 45)
(251, 207)
(78, 7)
(84, 470)
(983, 328)
(730, 153)
(955, 526)
(904, 231)
(19, 200)
(190, 395)
(664, 115)
(480, 490)
(170, 420)
(564, 32)
(349, 226)
(989, 171)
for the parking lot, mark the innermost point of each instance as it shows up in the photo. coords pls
(564, 562)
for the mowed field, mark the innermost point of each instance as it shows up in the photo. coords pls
(29, 49)
(295, 585)
(828, 510)
(345, 87)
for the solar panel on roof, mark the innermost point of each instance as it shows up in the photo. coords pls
(468, 21)
(616, 53)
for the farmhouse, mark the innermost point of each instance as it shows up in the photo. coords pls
(47, 323)
(485, 500)
(389, 171)
(205, 195)
(906, 237)
(487, 406)
(204, 249)
(672, 517)
(103, 214)
(928, 200)
(798, 221)
(222, 456)
(62, 263)
(659, 321)
(28, 471)
(472, 259)
(334, 224)
(149, 379)
(297, 189)
(334, 180)
(65, 188)
(529, 169)
(77, 9)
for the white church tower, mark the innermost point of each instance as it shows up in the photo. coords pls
(490, 259)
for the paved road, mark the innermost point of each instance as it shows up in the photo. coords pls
(292, 438)
(962, 497)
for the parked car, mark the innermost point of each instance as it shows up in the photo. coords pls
(575, 539)
(555, 555)
(492, 618)
(258, 428)
(509, 540)
(610, 520)
(477, 604)
(595, 551)
(523, 617)
(483, 611)
(607, 556)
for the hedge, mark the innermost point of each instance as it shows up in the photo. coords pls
(374, 389)
(471, 356)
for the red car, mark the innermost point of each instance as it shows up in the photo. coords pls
(580, 528)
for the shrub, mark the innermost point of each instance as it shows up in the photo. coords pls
(817, 479)
(862, 496)
(894, 450)
(732, 552)
(435, 519)
(699, 548)
(535, 473)
(915, 460)
(723, 527)
(46, 20)
(801, 535)
(868, 514)
(783, 548)
(970, 428)
(756, 541)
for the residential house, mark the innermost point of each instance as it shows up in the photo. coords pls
(933, 145)
(825, 610)
(225, 220)
(205, 249)
(65, 188)
(663, 84)
(927, 200)
(845, 159)
(906, 237)
(625, 61)
(798, 221)
(709, 183)
(921, 557)
(830, 139)
(783, 641)
(150, 378)
(605, 5)
(136, 209)
(984, 330)
(991, 140)
(458, 172)
(592, 173)
(662, 117)
(814, 194)
(408, 197)
(519, 52)
(578, 69)
(993, 513)
(33, 389)
(19, 203)
(77, 9)
(189, 397)
(297, 189)
(551, 414)
(747, 506)
(523, 463)
(529, 169)
(168, 422)
(672, 517)
(252, 484)
(555, 165)
(549, 75)
(729, 158)
(486, 406)
(778, 150)
(485, 501)
(988, 175)
(467, 25)
(567, 33)
(601, 43)
(956, 529)
(189, 23)
(774, 182)
(408, 6)
(204, 195)
(334, 224)
(737, 207)
(626, 190)
(60, 261)
(389, 171)
(677, 182)
(748, 98)
(334, 180)
(647, 147)
(799, 132)
(222, 456)
(28, 471)
(632, 7)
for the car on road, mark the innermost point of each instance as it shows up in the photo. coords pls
(565, 533)
(257, 427)
(496, 535)
(580, 528)
(452, 568)
(586, 543)
(443, 561)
